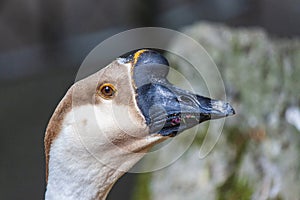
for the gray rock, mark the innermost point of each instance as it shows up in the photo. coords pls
(257, 155)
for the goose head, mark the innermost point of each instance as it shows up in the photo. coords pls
(106, 123)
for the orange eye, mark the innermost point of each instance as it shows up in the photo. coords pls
(107, 91)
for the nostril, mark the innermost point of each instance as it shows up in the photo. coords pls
(185, 99)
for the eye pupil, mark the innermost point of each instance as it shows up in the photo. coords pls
(107, 90)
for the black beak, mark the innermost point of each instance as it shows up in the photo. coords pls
(169, 110)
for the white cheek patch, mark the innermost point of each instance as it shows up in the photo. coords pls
(99, 124)
(119, 118)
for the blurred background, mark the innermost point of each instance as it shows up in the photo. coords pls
(43, 43)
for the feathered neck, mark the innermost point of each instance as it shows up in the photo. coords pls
(74, 173)
(81, 164)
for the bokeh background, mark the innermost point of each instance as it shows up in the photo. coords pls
(43, 43)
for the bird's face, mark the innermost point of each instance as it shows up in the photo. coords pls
(136, 96)
(126, 107)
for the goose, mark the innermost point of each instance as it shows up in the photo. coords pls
(108, 121)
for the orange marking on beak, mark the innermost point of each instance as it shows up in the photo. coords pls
(137, 55)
